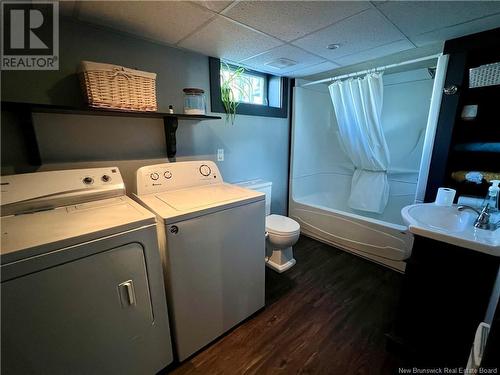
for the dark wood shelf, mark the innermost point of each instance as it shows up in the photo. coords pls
(476, 133)
(466, 147)
(170, 120)
(51, 108)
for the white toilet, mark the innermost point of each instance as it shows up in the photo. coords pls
(281, 231)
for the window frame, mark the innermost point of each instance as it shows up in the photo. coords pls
(246, 108)
(256, 74)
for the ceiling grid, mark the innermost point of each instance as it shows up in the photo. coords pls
(256, 33)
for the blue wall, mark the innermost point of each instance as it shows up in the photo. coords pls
(255, 147)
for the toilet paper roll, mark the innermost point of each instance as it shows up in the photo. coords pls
(470, 201)
(445, 196)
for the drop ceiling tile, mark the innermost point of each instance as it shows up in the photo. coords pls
(66, 8)
(226, 39)
(216, 6)
(457, 31)
(303, 59)
(374, 53)
(364, 31)
(289, 20)
(417, 17)
(167, 22)
(315, 69)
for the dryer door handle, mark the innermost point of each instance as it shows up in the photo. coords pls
(128, 288)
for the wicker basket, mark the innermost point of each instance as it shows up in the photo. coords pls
(484, 75)
(116, 87)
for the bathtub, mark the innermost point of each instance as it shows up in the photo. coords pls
(319, 203)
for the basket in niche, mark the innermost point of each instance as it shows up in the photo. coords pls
(111, 86)
(485, 75)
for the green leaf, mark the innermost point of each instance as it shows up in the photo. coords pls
(235, 81)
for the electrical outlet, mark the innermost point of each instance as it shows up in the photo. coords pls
(220, 154)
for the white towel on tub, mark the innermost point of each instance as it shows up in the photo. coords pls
(364, 184)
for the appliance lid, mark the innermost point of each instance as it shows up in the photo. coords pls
(26, 235)
(281, 224)
(184, 204)
(31, 192)
(189, 199)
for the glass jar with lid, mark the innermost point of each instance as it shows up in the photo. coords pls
(194, 101)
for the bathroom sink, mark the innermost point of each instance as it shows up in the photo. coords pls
(441, 218)
(448, 224)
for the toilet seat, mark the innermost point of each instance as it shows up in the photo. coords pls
(281, 225)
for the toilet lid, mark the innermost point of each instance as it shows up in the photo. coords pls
(279, 224)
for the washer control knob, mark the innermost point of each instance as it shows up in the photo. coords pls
(154, 176)
(205, 170)
(88, 180)
(167, 175)
(105, 178)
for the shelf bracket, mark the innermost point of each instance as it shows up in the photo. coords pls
(24, 117)
(28, 126)
(170, 125)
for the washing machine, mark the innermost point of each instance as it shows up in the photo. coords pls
(212, 244)
(82, 288)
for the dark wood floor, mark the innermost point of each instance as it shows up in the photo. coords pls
(326, 315)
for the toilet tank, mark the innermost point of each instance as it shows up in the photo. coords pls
(262, 186)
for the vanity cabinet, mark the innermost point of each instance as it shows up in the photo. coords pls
(491, 357)
(445, 296)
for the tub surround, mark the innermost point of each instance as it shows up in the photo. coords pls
(322, 172)
(325, 216)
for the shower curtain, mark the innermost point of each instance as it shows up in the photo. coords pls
(358, 105)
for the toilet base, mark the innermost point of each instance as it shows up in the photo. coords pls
(281, 260)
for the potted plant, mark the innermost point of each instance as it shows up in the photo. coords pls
(234, 85)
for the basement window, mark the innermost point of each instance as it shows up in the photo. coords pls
(259, 94)
(250, 87)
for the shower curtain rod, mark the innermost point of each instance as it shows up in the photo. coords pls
(380, 68)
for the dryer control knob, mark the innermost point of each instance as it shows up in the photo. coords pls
(154, 176)
(88, 180)
(105, 178)
(167, 175)
(205, 170)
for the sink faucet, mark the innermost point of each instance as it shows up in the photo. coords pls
(483, 218)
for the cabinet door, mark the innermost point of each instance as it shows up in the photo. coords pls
(216, 270)
(491, 356)
(445, 297)
(81, 317)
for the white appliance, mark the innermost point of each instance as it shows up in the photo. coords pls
(81, 278)
(212, 248)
